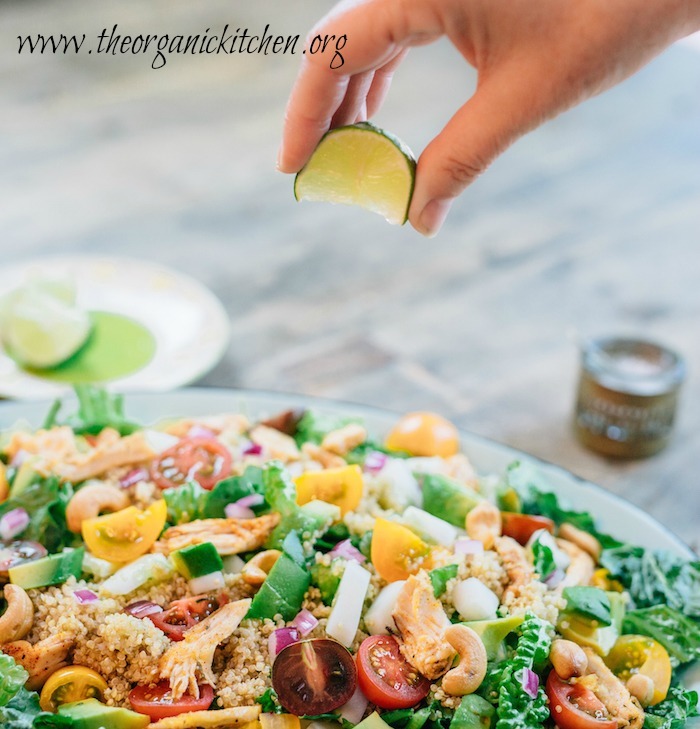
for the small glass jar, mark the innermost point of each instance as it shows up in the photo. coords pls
(627, 396)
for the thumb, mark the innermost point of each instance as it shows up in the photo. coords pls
(484, 127)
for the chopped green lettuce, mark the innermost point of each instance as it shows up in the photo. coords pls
(185, 503)
(230, 490)
(656, 577)
(543, 559)
(678, 634)
(45, 500)
(97, 410)
(674, 711)
(503, 686)
(12, 678)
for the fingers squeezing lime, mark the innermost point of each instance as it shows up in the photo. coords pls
(360, 165)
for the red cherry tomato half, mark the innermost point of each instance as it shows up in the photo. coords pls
(184, 614)
(522, 526)
(574, 706)
(203, 459)
(386, 678)
(157, 701)
(314, 676)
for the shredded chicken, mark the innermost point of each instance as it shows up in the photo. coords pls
(41, 659)
(421, 622)
(187, 660)
(58, 452)
(621, 705)
(229, 536)
(275, 444)
(518, 569)
(580, 570)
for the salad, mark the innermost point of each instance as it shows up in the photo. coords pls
(297, 572)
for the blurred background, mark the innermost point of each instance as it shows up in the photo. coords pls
(589, 226)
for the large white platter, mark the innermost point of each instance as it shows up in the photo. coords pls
(614, 514)
(617, 516)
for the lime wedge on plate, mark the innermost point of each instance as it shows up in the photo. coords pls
(360, 165)
(41, 327)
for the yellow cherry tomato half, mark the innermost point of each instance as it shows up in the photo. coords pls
(339, 486)
(125, 535)
(397, 552)
(424, 434)
(279, 721)
(639, 654)
(73, 683)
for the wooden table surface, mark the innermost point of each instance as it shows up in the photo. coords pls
(589, 226)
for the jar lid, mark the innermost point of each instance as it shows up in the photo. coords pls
(633, 366)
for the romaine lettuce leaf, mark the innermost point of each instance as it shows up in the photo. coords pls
(678, 634)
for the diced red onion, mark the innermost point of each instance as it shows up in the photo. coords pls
(236, 511)
(252, 449)
(251, 500)
(468, 546)
(280, 639)
(136, 475)
(304, 622)
(554, 578)
(530, 682)
(143, 608)
(19, 458)
(83, 596)
(375, 461)
(346, 550)
(200, 431)
(13, 523)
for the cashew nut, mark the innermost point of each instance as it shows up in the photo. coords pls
(343, 440)
(568, 659)
(642, 688)
(41, 659)
(256, 570)
(587, 542)
(18, 619)
(469, 673)
(90, 501)
(484, 523)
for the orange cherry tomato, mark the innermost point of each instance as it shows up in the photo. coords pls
(397, 552)
(424, 434)
(340, 486)
(639, 654)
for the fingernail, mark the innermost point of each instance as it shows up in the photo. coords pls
(433, 216)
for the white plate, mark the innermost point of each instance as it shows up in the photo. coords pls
(188, 322)
(615, 515)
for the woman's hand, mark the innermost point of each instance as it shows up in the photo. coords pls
(535, 58)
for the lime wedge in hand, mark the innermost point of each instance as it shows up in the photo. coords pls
(41, 328)
(360, 165)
